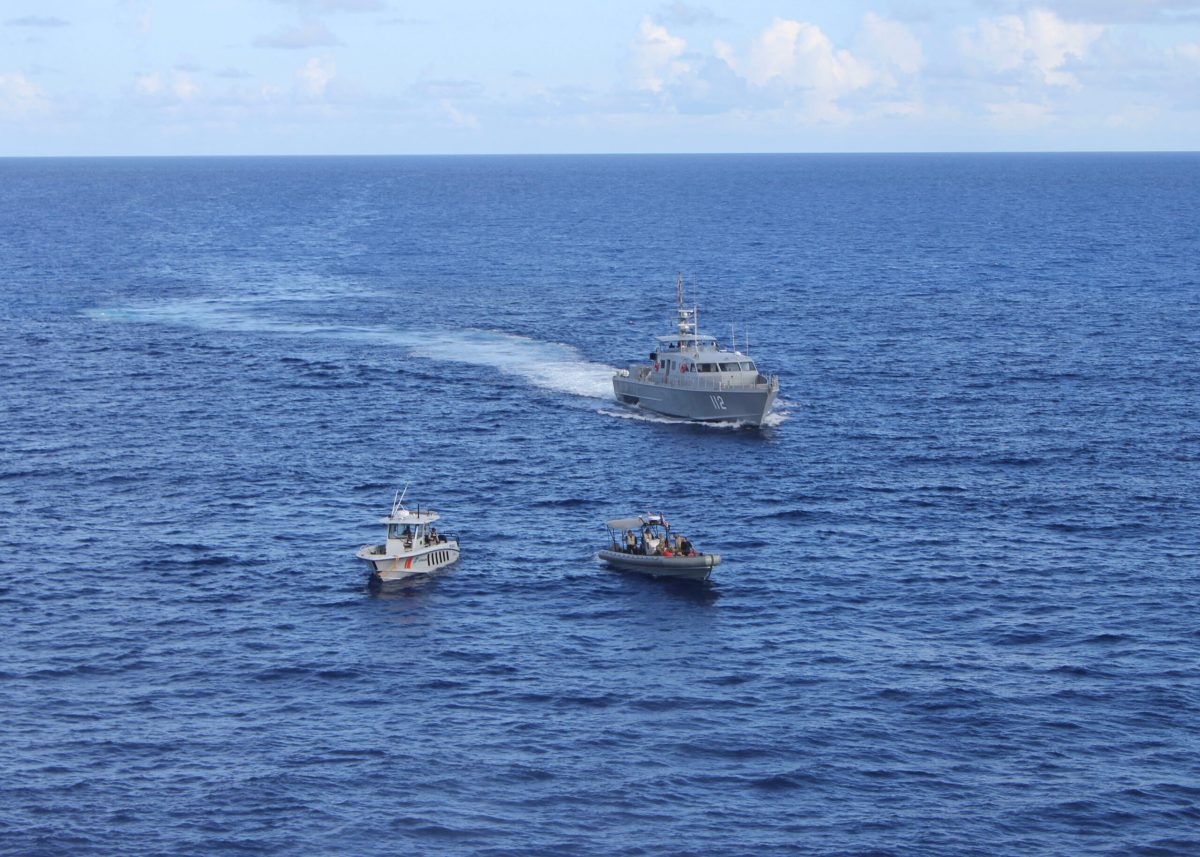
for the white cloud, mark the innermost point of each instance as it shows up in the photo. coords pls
(998, 42)
(724, 52)
(20, 97)
(184, 86)
(1039, 44)
(315, 75)
(459, 118)
(148, 84)
(891, 44)
(789, 66)
(797, 56)
(1126, 11)
(164, 90)
(1189, 52)
(655, 56)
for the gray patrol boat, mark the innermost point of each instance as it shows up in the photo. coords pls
(691, 377)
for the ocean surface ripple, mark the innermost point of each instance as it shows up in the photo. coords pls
(958, 609)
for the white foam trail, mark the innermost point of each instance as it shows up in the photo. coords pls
(549, 365)
(645, 417)
(776, 416)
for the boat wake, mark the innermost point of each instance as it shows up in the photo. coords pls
(773, 419)
(550, 365)
(778, 414)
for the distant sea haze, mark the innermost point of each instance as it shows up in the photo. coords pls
(956, 609)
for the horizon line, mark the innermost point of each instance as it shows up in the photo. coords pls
(863, 152)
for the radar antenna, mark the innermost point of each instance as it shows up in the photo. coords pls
(686, 317)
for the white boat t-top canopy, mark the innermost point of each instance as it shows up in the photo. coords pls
(640, 521)
(406, 516)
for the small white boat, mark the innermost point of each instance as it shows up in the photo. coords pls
(646, 544)
(412, 547)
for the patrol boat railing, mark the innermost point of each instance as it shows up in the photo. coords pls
(642, 373)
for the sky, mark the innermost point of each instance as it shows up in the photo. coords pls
(199, 77)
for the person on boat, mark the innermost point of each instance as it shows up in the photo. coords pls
(434, 538)
(630, 542)
(684, 547)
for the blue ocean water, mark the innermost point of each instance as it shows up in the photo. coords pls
(958, 609)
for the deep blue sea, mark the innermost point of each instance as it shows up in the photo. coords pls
(959, 608)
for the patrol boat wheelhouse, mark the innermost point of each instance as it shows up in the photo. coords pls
(413, 546)
(691, 377)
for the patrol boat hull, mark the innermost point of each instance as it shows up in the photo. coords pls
(679, 567)
(708, 405)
